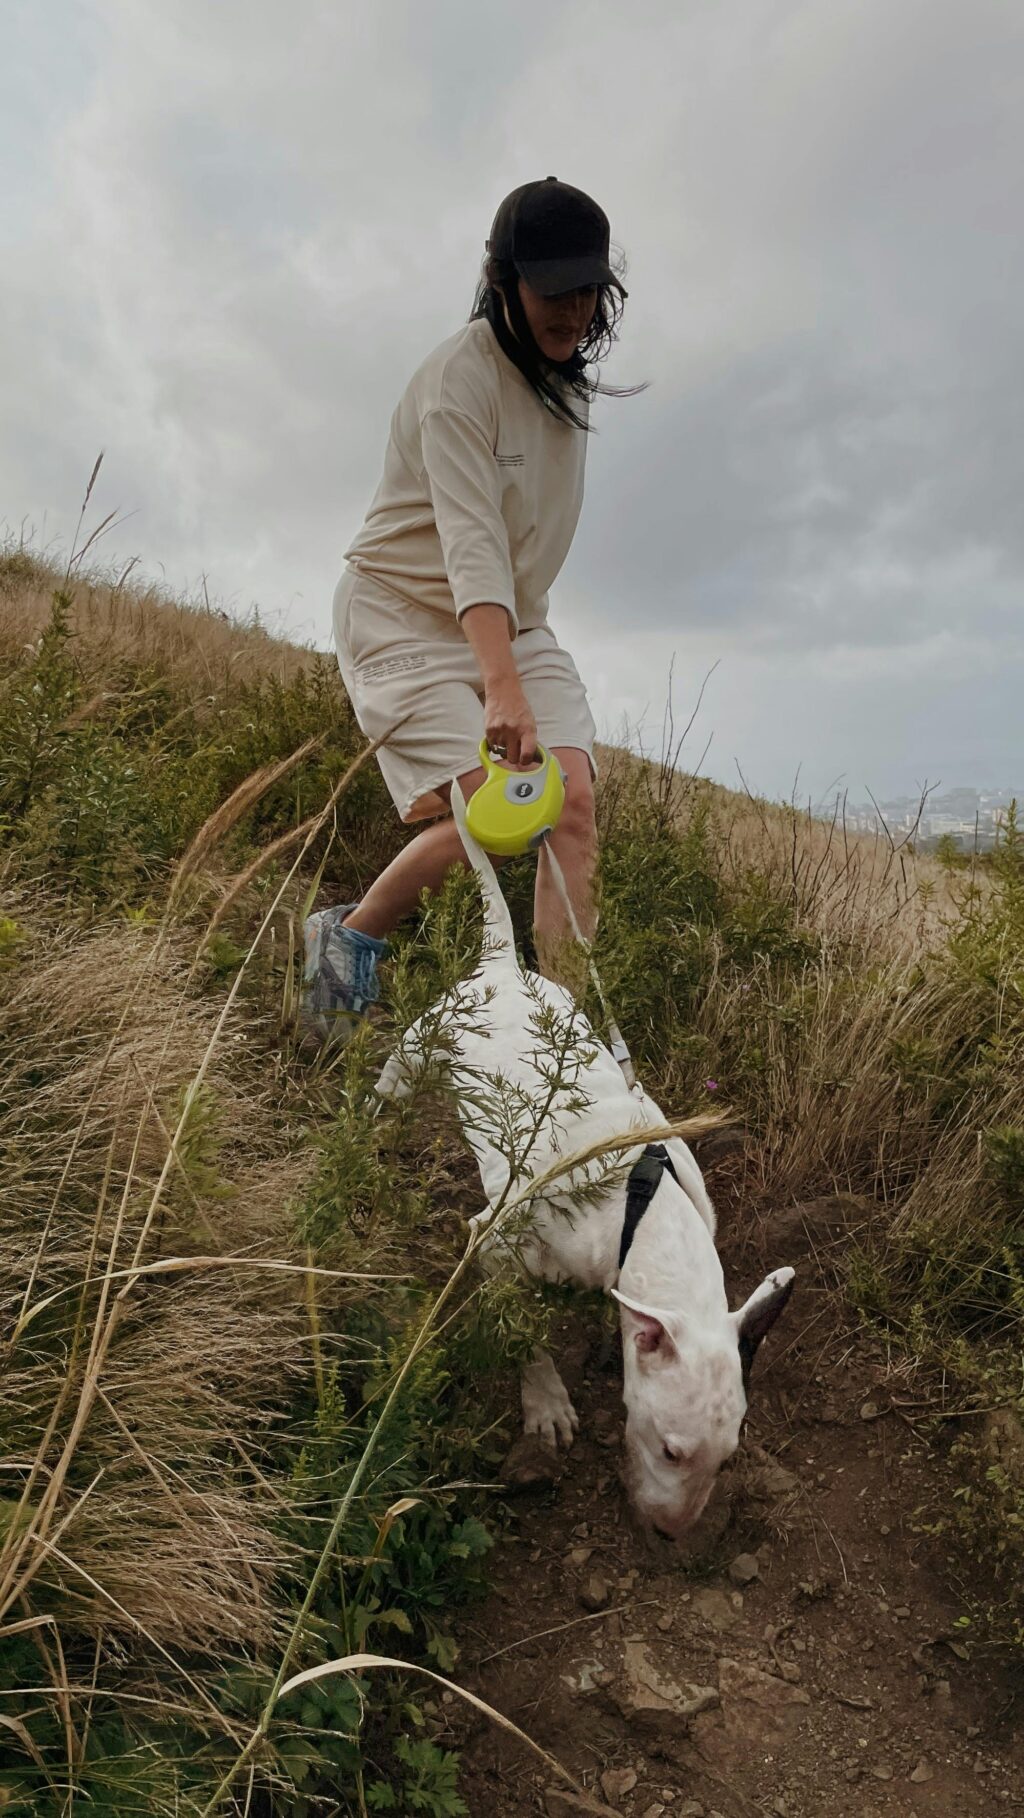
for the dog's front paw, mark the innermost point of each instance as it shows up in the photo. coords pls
(549, 1414)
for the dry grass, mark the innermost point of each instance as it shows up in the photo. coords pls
(227, 814)
(122, 626)
(126, 1439)
(867, 889)
(870, 890)
(824, 1096)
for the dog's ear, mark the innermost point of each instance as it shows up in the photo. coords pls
(647, 1327)
(758, 1315)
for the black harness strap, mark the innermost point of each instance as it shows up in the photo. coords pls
(645, 1177)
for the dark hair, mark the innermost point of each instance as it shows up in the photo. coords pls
(555, 382)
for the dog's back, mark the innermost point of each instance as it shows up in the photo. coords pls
(522, 1041)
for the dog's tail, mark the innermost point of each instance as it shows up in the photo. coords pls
(497, 921)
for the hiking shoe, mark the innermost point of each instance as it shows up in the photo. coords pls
(339, 978)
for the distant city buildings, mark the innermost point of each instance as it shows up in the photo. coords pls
(973, 818)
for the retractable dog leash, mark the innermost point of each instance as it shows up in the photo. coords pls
(616, 1040)
(513, 812)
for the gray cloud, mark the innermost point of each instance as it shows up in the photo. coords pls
(239, 228)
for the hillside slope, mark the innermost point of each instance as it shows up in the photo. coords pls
(221, 1265)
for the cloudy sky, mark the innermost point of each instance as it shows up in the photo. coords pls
(230, 232)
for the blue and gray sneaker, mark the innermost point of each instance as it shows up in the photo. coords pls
(339, 978)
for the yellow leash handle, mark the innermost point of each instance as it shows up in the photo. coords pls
(513, 810)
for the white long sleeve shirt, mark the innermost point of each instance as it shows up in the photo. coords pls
(482, 487)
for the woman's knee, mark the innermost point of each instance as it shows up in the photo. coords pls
(577, 820)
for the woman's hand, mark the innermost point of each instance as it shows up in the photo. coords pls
(509, 722)
(508, 719)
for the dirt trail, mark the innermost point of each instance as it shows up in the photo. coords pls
(806, 1662)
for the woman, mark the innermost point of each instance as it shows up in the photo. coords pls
(440, 619)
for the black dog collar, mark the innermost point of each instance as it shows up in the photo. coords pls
(645, 1178)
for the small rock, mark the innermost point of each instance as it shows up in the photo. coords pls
(854, 1772)
(880, 1770)
(616, 1783)
(790, 1671)
(648, 1698)
(691, 1808)
(902, 1612)
(584, 1676)
(606, 1430)
(778, 1482)
(665, 1621)
(715, 1608)
(923, 1771)
(594, 1595)
(744, 1569)
(653, 1811)
(765, 1479)
(579, 1555)
(870, 1410)
(531, 1465)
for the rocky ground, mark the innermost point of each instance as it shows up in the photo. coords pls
(802, 1658)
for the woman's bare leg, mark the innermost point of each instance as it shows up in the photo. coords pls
(421, 865)
(424, 863)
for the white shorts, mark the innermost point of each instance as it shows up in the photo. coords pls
(401, 663)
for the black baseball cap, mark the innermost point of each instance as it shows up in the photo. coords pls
(556, 237)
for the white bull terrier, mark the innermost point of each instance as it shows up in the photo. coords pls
(686, 1358)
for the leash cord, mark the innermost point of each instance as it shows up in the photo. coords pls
(616, 1041)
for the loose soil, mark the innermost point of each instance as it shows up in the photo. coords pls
(802, 1658)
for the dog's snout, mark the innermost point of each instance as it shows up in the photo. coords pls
(674, 1522)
